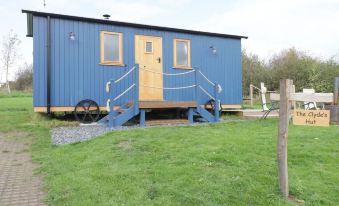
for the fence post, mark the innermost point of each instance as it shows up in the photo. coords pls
(251, 94)
(294, 103)
(216, 102)
(284, 114)
(263, 96)
(336, 92)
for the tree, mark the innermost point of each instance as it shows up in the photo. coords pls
(305, 70)
(254, 71)
(24, 78)
(9, 53)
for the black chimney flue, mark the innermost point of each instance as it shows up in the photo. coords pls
(106, 16)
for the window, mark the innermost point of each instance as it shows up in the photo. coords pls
(149, 47)
(110, 48)
(182, 53)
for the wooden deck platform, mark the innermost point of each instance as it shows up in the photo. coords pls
(144, 105)
(253, 113)
(166, 104)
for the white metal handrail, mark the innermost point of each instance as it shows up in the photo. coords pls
(206, 92)
(182, 73)
(168, 74)
(123, 76)
(165, 88)
(184, 87)
(120, 95)
(169, 88)
(209, 81)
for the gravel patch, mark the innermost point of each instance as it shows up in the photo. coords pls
(66, 135)
(84, 132)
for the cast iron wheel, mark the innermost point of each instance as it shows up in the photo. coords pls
(210, 106)
(87, 111)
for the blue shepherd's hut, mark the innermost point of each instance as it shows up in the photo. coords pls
(85, 65)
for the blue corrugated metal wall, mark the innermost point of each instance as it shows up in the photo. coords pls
(77, 74)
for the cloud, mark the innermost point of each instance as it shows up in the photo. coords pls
(119, 10)
(274, 25)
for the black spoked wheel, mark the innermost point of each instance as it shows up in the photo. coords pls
(87, 111)
(210, 106)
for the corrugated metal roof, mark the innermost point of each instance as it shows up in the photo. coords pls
(119, 23)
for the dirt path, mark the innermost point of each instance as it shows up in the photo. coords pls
(18, 185)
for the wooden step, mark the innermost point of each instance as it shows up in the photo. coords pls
(166, 122)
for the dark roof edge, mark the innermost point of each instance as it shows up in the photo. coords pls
(119, 23)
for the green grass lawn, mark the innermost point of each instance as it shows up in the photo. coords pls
(229, 163)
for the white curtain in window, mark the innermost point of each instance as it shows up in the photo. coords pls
(182, 53)
(111, 47)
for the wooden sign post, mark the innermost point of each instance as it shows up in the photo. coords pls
(286, 97)
(284, 116)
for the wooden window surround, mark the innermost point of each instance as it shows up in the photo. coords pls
(114, 42)
(184, 47)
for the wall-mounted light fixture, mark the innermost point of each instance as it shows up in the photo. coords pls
(214, 50)
(71, 36)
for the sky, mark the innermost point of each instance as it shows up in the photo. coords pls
(271, 25)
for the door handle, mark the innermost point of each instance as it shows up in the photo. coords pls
(159, 59)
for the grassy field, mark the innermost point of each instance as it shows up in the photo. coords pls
(229, 163)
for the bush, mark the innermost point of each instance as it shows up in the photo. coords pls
(304, 70)
(23, 79)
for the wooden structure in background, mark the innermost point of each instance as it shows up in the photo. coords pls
(307, 97)
(334, 108)
(263, 91)
(336, 91)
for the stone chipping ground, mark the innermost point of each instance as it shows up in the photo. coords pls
(18, 184)
(84, 132)
(66, 135)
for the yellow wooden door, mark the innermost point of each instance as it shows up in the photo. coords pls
(148, 54)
